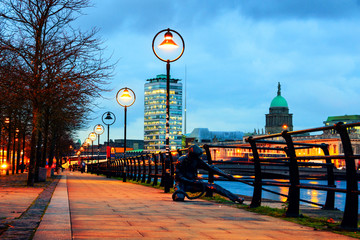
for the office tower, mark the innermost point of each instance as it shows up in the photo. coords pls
(155, 113)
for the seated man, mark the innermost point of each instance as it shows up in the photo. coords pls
(186, 177)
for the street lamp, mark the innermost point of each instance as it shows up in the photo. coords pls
(92, 137)
(8, 160)
(99, 129)
(125, 97)
(87, 142)
(108, 120)
(169, 48)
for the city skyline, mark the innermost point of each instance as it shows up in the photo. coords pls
(236, 53)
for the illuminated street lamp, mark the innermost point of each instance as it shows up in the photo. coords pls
(99, 129)
(125, 97)
(92, 137)
(87, 142)
(8, 160)
(168, 47)
(171, 51)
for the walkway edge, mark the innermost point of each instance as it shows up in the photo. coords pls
(56, 223)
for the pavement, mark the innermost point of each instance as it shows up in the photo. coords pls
(87, 206)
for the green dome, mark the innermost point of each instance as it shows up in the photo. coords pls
(279, 101)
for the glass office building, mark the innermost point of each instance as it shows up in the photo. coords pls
(155, 113)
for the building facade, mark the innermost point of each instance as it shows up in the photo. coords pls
(155, 113)
(346, 119)
(278, 118)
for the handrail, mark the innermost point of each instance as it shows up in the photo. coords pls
(149, 167)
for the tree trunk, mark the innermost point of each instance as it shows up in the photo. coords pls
(34, 133)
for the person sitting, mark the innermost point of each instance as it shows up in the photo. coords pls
(186, 170)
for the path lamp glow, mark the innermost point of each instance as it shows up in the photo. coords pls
(92, 137)
(99, 129)
(125, 97)
(168, 50)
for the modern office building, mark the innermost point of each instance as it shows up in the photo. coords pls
(278, 118)
(155, 113)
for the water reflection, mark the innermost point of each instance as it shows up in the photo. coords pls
(306, 194)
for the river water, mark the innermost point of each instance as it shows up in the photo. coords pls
(306, 194)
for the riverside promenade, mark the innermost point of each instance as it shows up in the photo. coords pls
(87, 206)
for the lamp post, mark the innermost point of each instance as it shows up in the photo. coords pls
(169, 48)
(88, 141)
(92, 137)
(8, 160)
(108, 120)
(172, 52)
(99, 129)
(125, 97)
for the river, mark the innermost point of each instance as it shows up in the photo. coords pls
(306, 194)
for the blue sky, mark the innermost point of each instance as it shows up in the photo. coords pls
(236, 53)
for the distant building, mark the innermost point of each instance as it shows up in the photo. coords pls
(133, 144)
(155, 113)
(278, 118)
(203, 135)
(345, 119)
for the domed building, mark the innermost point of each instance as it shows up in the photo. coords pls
(278, 118)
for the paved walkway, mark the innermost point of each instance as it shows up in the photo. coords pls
(86, 206)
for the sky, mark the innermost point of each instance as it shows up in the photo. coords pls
(235, 54)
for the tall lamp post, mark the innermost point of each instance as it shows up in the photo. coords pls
(98, 129)
(168, 51)
(108, 120)
(92, 137)
(125, 97)
(88, 141)
(171, 51)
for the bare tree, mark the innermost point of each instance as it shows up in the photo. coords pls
(58, 65)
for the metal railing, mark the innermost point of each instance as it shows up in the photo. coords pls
(153, 167)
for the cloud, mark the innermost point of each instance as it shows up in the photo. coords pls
(236, 52)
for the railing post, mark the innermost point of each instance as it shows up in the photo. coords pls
(209, 192)
(294, 190)
(162, 162)
(149, 167)
(172, 171)
(124, 169)
(155, 182)
(330, 194)
(167, 173)
(139, 169)
(135, 172)
(143, 169)
(350, 218)
(256, 199)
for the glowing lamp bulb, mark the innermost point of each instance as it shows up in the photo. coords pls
(125, 94)
(168, 42)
